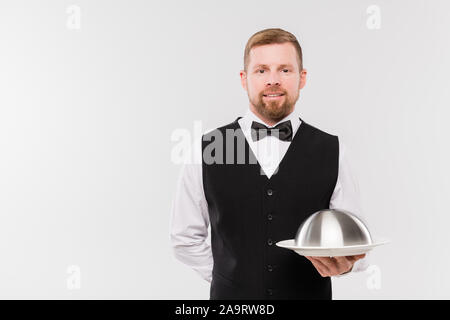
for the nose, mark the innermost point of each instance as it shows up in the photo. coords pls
(273, 80)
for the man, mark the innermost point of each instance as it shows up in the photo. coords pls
(293, 171)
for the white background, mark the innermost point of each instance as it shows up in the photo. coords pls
(87, 115)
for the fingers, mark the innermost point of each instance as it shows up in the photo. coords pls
(356, 258)
(320, 267)
(344, 264)
(324, 265)
(331, 266)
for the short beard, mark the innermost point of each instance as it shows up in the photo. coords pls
(272, 110)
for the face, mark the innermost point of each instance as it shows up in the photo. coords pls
(273, 69)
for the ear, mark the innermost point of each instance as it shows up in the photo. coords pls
(302, 78)
(243, 76)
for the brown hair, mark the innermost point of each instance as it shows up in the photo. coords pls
(270, 36)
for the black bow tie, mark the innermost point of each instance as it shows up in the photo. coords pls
(282, 131)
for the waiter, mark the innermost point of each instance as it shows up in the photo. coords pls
(259, 178)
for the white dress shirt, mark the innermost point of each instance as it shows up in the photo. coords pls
(189, 216)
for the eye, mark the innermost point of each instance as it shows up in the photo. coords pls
(260, 70)
(286, 70)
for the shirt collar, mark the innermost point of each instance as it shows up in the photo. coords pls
(249, 117)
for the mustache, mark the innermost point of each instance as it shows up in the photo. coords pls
(274, 92)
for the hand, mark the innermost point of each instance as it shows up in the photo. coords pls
(333, 266)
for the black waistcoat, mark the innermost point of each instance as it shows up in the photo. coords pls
(249, 213)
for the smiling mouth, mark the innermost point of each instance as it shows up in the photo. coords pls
(273, 96)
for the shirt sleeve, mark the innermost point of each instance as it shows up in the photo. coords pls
(190, 221)
(346, 196)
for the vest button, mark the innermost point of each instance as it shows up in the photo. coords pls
(269, 242)
(269, 192)
(269, 292)
(269, 268)
(269, 217)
